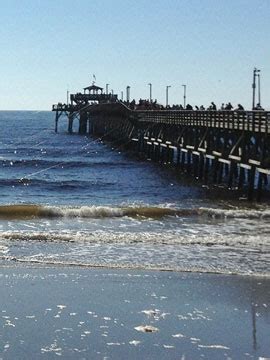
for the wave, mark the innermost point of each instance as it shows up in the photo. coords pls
(73, 164)
(200, 269)
(54, 185)
(112, 266)
(25, 211)
(126, 237)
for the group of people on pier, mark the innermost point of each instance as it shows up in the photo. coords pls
(153, 105)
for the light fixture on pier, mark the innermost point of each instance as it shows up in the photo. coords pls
(185, 92)
(256, 73)
(107, 89)
(259, 89)
(128, 93)
(167, 95)
(67, 96)
(150, 89)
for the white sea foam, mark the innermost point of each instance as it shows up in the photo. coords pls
(178, 336)
(214, 347)
(83, 212)
(146, 328)
(134, 342)
(168, 237)
(150, 211)
(235, 213)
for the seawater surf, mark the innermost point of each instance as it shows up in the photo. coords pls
(26, 211)
(70, 199)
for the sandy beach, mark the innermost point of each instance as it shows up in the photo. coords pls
(87, 313)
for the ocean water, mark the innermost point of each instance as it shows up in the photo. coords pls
(75, 200)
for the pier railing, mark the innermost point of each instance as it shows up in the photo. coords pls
(251, 121)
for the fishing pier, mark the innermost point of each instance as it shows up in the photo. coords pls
(224, 147)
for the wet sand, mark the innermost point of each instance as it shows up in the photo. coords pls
(78, 313)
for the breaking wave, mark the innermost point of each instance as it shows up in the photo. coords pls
(40, 211)
(129, 238)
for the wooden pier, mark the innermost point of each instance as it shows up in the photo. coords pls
(229, 148)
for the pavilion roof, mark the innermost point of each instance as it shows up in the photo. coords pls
(92, 87)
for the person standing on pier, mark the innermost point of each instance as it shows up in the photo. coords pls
(213, 106)
(229, 106)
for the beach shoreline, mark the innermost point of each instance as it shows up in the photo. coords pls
(97, 313)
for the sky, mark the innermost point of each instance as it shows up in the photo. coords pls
(211, 46)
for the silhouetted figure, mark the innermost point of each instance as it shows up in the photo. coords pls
(132, 104)
(240, 107)
(258, 107)
(202, 108)
(181, 107)
(197, 107)
(222, 106)
(214, 107)
(229, 106)
(189, 107)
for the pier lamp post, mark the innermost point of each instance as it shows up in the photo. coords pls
(167, 95)
(128, 93)
(185, 92)
(255, 74)
(107, 89)
(67, 97)
(150, 89)
(259, 89)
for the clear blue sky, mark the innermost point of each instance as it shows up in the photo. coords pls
(210, 45)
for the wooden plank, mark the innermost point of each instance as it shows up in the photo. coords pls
(263, 171)
(234, 157)
(245, 166)
(202, 150)
(216, 153)
(224, 161)
(254, 162)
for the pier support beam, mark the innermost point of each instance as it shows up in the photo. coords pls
(56, 121)
(70, 123)
(83, 123)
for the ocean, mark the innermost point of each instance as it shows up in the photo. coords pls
(76, 200)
